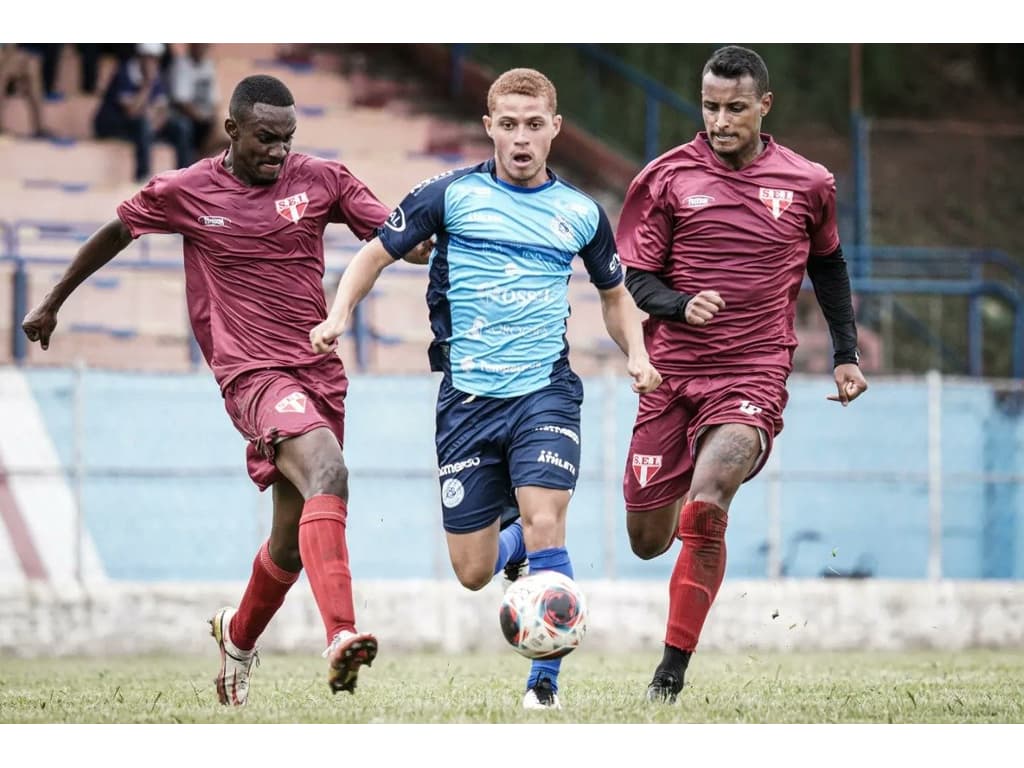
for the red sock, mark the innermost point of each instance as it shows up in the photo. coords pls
(698, 572)
(264, 594)
(325, 558)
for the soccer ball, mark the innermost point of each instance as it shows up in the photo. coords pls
(543, 615)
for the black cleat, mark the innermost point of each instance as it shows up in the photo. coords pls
(541, 696)
(513, 568)
(664, 687)
(346, 654)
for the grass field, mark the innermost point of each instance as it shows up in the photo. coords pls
(925, 687)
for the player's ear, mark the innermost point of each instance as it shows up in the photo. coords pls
(487, 124)
(556, 121)
(766, 103)
(231, 129)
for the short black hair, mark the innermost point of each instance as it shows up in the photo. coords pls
(258, 89)
(734, 61)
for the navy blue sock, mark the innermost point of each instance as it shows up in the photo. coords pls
(511, 546)
(551, 559)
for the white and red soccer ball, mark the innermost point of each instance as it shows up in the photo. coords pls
(543, 615)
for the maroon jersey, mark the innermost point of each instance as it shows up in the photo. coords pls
(254, 255)
(747, 234)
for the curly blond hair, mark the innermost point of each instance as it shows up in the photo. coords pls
(524, 82)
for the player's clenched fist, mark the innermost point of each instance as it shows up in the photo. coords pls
(39, 325)
(323, 337)
(645, 376)
(702, 307)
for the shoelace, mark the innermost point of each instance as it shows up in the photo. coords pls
(253, 659)
(666, 682)
(336, 640)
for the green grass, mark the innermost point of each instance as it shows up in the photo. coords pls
(925, 687)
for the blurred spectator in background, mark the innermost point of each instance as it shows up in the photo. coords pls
(20, 75)
(49, 56)
(136, 107)
(193, 83)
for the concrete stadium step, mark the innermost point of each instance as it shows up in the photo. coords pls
(60, 201)
(310, 87)
(107, 162)
(68, 118)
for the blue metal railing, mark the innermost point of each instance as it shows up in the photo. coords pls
(656, 94)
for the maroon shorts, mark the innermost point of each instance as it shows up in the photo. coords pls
(272, 404)
(672, 418)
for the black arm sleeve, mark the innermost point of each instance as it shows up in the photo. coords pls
(654, 297)
(832, 288)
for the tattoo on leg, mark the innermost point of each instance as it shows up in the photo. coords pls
(735, 448)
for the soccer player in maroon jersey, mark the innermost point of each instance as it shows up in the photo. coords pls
(716, 235)
(252, 221)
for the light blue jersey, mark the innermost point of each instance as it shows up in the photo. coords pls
(499, 275)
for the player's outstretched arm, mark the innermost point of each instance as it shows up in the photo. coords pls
(622, 319)
(356, 281)
(103, 245)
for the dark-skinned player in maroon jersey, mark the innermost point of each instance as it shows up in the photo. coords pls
(252, 221)
(716, 235)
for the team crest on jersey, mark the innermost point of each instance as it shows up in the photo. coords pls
(561, 228)
(776, 200)
(292, 207)
(645, 467)
(293, 403)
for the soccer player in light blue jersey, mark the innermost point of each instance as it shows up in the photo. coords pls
(508, 407)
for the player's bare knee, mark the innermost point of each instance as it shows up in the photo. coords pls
(473, 577)
(330, 478)
(286, 556)
(647, 545)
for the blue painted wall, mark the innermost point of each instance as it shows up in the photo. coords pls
(166, 495)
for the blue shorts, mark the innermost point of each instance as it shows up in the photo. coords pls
(489, 446)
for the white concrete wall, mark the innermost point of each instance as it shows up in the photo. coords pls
(117, 618)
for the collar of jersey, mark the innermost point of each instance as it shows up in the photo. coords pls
(523, 190)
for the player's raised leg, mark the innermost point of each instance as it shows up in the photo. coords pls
(726, 456)
(544, 512)
(275, 569)
(511, 547)
(315, 464)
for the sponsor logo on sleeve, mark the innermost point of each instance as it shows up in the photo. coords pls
(396, 221)
(427, 182)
